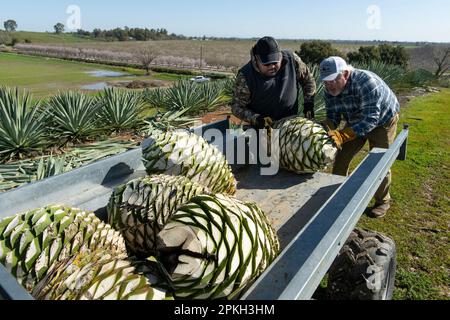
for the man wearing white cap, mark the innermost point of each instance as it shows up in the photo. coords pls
(371, 112)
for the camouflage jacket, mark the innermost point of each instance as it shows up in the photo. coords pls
(242, 95)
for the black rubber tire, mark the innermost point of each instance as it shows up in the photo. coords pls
(364, 269)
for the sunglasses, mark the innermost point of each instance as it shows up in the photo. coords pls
(269, 64)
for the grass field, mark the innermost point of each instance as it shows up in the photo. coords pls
(419, 220)
(46, 76)
(46, 37)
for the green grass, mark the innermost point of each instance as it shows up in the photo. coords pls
(46, 76)
(46, 37)
(170, 76)
(419, 219)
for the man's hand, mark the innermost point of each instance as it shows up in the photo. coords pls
(263, 122)
(328, 125)
(342, 136)
(308, 110)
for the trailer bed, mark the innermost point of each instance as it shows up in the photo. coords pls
(313, 214)
(289, 200)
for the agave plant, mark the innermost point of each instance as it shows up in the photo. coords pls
(305, 146)
(184, 95)
(62, 253)
(168, 121)
(93, 152)
(52, 166)
(319, 106)
(96, 275)
(73, 115)
(33, 242)
(389, 73)
(212, 95)
(228, 86)
(214, 246)
(156, 98)
(181, 152)
(15, 174)
(22, 126)
(120, 110)
(142, 207)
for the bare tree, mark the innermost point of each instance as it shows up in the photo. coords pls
(146, 56)
(441, 58)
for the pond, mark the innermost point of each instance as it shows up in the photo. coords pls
(96, 86)
(107, 74)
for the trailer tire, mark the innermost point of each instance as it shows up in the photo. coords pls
(364, 269)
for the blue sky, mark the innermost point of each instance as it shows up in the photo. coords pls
(393, 20)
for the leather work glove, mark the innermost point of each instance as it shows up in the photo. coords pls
(342, 136)
(263, 122)
(308, 110)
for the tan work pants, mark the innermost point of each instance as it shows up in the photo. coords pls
(380, 137)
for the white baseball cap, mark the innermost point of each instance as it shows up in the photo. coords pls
(331, 67)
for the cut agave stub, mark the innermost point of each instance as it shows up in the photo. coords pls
(96, 275)
(33, 243)
(183, 153)
(214, 246)
(142, 207)
(305, 146)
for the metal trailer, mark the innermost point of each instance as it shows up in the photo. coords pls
(313, 214)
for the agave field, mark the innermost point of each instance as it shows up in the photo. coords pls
(40, 138)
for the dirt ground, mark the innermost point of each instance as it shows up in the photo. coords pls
(405, 97)
(219, 115)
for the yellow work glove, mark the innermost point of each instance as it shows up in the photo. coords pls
(342, 136)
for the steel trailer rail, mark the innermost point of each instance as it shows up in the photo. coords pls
(298, 271)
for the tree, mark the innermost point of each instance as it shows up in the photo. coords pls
(10, 25)
(59, 28)
(441, 58)
(385, 53)
(97, 33)
(120, 34)
(146, 56)
(314, 52)
(5, 38)
(393, 55)
(364, 55)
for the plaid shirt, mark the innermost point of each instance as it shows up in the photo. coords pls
(366, 103)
